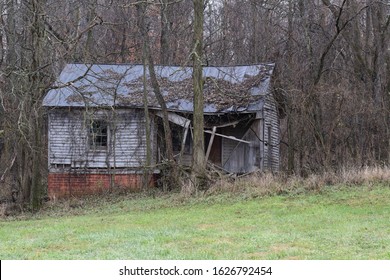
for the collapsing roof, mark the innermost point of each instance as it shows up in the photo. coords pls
(226, 89)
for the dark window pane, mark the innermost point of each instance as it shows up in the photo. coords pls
(98, 133)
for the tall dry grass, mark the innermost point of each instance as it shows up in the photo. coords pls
(261, 184)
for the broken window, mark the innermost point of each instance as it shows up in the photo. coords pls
(98, 134)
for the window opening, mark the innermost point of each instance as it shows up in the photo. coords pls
(98, 134)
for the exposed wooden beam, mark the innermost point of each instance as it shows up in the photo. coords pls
(228, 137)
(210, 143)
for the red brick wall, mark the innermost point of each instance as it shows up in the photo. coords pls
(62, 185)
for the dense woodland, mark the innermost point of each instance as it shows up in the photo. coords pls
(332, 76)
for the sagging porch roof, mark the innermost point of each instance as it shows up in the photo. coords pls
(226, 89)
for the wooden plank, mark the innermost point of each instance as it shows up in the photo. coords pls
(210, 142)
(183, 143)
(176, 119)
(228, 137)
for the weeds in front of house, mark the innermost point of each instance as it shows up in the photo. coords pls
(223, 188)
(264, 184)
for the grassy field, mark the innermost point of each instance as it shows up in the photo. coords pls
(336, 223)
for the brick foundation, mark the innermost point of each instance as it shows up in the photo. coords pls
(64, 185)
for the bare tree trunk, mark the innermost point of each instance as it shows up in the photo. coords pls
(89, 49)
(8, 101)
(37, 92)
(172, 172)
(199, 161)
(166, 18)
(253, 50)
(380, 27)
(147, 118)
(290, 122)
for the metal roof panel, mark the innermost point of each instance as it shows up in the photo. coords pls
(226, 89)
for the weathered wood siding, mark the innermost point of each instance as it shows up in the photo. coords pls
(69, 145)
(271, 142)
(228, 145)
(239, 157)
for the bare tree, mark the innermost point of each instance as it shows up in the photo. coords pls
(199, 161)
(171, 165)
(166, 29)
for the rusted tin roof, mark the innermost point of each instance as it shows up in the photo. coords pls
(226, 89)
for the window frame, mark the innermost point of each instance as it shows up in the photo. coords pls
(98, 130)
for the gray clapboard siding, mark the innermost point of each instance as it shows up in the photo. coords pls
(68, 139)
(60, 140)
(271, 120)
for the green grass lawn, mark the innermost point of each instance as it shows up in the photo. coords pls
(338, 223)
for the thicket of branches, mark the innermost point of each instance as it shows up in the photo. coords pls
(332, 78)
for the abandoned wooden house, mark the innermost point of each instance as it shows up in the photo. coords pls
(96, 123)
